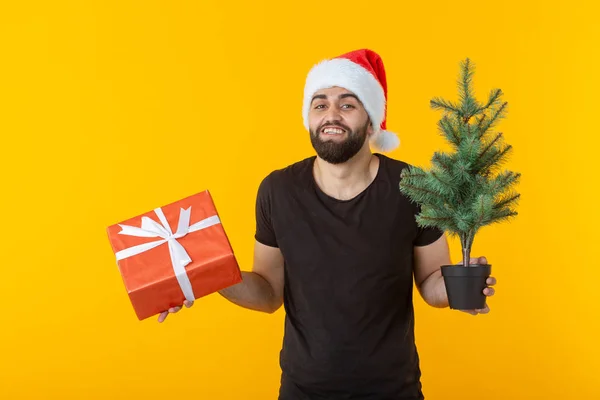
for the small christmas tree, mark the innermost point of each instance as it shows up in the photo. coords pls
(465, 190)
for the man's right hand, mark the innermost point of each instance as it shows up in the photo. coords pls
(164, 314)
(261, 289)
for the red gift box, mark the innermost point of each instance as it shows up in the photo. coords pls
(174, 252)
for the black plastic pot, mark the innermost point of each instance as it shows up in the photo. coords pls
(465, 285)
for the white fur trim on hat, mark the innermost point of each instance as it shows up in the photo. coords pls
(344, 73)
(385, 141)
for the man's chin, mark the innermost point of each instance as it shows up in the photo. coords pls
(336, 149)
(333, 154)
(333, 159)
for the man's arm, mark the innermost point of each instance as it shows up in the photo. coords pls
(428, 274)
(261, 289)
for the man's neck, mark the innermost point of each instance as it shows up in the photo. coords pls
(347, 180)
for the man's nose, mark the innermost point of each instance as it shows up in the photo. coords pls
(333, 114)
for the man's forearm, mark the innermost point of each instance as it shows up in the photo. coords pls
(433, 290)
(254, 292)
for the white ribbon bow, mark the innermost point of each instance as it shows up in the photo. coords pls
(179, 257)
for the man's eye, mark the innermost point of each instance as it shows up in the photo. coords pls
(319, 105)
(348, 105)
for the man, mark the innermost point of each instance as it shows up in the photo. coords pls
(337, 244)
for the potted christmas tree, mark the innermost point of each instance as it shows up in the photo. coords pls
(465, 189)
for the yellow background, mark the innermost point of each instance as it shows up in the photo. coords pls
(111, 108)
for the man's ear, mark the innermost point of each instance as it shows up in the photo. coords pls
(370, 127)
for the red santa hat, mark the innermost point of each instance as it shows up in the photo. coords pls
(361, 72)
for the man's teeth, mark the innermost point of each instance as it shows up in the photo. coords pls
(333, 131)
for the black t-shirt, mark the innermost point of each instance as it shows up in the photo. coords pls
(349, 327)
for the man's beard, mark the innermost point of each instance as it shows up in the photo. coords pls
(337, 153)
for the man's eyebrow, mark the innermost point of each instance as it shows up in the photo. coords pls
(344, 95)
(341, 96)
(318, 96)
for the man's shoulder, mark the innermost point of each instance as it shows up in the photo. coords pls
(284, 178)
(291, 173)
(392, 165)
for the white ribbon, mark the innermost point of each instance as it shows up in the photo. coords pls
(179, 257)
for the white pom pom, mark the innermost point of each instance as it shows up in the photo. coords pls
(385, 141)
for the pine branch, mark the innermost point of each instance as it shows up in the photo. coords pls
(461, 169)
(507, 202)
(417, 189)
(493, 98)
(495, 161)
(481, 129)
(468, 153)
(489, 146)
(448, 131)
(502, 216)
(435, 175)
(465, 81)
(412, 170)
(409, 174)
(435, 221)
(502, 181)
(414, 176)
(439, 103)
(481, 212)
(467, 77)
(447, 187)
(421, 193)
(437, 217)
(442, 160)
(500, 156)
(479, 122)
(498, 114)
(469, 104)
(468, 130)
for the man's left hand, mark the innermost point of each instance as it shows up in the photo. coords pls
(488, 291)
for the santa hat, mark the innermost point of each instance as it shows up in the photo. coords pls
(361, 72)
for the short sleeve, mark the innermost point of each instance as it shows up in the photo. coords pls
(265, 233)
(426, 235)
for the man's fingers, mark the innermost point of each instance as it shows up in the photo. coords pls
(478, 311)
(489, 291)
(484, 310)
(162, 316)
(491, 281)
(472, 260)
(475, 260)
(478, 260)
